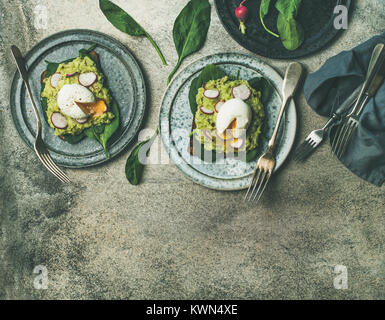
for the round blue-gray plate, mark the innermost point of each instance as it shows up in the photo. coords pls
(176, 123)
(316, 17)
(124, 80)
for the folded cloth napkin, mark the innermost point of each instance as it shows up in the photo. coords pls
(328, 87)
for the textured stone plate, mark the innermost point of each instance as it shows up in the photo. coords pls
(176, 123)
(316, 16)
(124, 79)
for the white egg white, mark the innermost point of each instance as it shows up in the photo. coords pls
(234, 109)
(67, 96)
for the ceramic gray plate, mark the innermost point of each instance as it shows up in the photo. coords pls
(176, 123)
(124, 79)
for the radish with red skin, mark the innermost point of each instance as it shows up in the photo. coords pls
(241, 13)
(87, 79)
(69, 75)
(55, 78)
(211, 94)
(58, 120)
(206, 111)
(218, 105)
(81, 121)
(242, 92)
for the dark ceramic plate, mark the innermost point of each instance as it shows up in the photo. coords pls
(316, 16)
(124, 80)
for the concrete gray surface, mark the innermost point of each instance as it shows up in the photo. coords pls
(168, 238)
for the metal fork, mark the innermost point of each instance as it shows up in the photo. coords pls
(374, 79)
(266, 162)
(314, 139)
(39, 147)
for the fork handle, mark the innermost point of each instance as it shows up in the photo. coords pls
(24, 75)
(290, 85)
(375, 64)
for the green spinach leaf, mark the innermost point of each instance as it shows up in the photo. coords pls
(190, 30)
(134, 167)
(210, 72)
(262, 85)
(292, 33)
(125, 23)
(251, 155)
(289, 8)
(110, 128)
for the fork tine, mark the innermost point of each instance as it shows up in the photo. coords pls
(337, 135)
(337, 138)
(304, 150)
(347, 140)
(255, 182)
(342, 139)
(47, 161)
(57, 169)
(47, 166)
(251, 183)
(260, 184)
(264, 187)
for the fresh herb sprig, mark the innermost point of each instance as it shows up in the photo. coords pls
(190, 30)
(125, 23)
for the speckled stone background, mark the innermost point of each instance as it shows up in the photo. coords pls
(168, 238)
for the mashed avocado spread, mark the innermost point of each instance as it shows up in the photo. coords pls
(207, 122)
(74, 68)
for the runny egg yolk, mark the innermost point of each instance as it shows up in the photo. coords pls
(93, 109)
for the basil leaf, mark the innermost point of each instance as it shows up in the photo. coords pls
(292, 33)
(134, 168)
(262, 85)
(190, 30)
(125, 23)
(210, 72)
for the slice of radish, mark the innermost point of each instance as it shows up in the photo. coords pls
(87, 79)
(55, 78)
(58, 120)
(211, 94)
(207, 134)
(68, 75)
(242, 92)
(237, 143)
(206, 111)
(81, 121)
(218, 105)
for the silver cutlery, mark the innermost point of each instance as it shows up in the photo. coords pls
(373, 81)
(314, 139)
(266, 162)
(39, 147)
